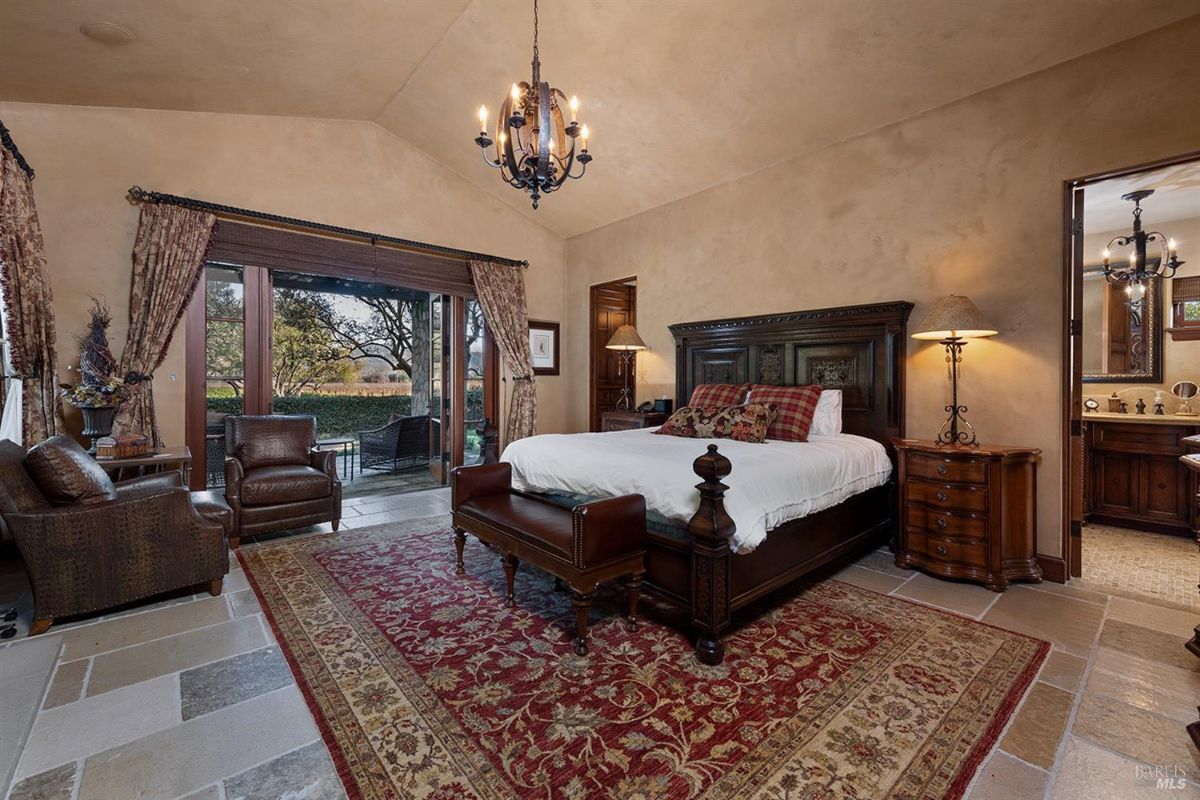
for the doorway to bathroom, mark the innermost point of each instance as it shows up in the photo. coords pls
(1132, 348)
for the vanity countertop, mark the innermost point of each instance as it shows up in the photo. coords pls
(1142, 419)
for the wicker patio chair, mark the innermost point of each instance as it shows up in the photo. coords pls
(402, 443)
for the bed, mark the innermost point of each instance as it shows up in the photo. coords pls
(709, 564)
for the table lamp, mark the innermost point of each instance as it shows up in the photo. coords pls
(949, 322)
(626, 340)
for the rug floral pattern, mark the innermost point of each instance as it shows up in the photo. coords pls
(425, 686)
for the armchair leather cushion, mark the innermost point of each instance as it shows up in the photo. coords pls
(284, 483)
(67, 475)
(271, 440)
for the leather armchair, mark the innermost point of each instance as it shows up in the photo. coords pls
(274, 478)
(119, 543)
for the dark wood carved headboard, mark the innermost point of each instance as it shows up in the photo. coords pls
(858, 349)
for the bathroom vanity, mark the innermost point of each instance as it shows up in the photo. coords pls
(1133, 477)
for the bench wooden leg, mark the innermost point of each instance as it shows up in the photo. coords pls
(583, 604)
(460, 540)
(633, 591)
(510, 573)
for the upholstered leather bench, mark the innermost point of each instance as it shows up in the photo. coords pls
(581, 546)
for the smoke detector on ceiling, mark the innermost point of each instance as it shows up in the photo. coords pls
(107, 32)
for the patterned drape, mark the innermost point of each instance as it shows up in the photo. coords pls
(501, 292)
(168, 260)
(28, 303)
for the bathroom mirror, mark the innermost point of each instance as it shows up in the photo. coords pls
(1122, 340)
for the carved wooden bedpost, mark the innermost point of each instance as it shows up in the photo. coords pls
(711, 529)
(489, 446)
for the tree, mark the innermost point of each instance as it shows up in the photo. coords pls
(304, 353)
(395, 331)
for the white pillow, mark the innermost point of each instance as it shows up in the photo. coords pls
(827, 418)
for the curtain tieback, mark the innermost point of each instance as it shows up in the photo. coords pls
(528, 378)
(134, 378)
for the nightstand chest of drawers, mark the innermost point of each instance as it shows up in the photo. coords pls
(968, 513)
(628, 420)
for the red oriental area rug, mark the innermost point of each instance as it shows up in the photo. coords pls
(425, 686)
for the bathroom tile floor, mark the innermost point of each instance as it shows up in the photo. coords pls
(1136, 564)
(189, 699)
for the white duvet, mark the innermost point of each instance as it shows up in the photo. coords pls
(771, 483)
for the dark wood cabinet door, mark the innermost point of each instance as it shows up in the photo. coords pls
(1115, 483)
(612, 305)
(1162, 489)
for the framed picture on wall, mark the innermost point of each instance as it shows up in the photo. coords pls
(543, 343)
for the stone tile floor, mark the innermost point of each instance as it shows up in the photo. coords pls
(1138, 564)
(189, 698)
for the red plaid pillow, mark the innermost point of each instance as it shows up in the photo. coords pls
(796, 406)
(718, 395)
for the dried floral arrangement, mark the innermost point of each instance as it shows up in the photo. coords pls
(99, 387)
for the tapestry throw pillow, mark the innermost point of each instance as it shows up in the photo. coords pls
(746, 423)
(66, 474)
(718, 395)
(795, 407)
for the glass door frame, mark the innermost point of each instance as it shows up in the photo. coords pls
(257, 393)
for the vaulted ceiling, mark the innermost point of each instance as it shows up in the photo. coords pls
(680, 95)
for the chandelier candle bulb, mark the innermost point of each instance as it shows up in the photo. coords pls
(584, 137)
(483, 119)
(574, 108)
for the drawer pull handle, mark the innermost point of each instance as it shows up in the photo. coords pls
(941, 549)
(941, 523)
(942, 469)
(941, 496)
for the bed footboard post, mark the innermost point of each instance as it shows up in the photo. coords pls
(711, 529)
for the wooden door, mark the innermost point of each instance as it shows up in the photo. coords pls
(612, 305)
(1074, 483)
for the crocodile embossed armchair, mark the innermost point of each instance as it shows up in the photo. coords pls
(90, 544)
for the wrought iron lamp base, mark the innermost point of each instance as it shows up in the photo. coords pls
(955, 431)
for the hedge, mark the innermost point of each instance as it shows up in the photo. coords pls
(342, 415)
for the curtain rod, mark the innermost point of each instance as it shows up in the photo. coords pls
(140, 195)
(8, 144)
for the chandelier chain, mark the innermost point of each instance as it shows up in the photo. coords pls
(535, 30)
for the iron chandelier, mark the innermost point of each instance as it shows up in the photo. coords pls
(533, 153)
(1141, 267)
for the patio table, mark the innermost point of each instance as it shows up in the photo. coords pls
(347, 444)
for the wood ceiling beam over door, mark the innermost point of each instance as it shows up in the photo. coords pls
(613, 304)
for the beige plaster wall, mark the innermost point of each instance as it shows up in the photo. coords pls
(964, 199)
(353, 174)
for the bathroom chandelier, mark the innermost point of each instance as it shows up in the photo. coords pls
(536, 151)
(1141, 267)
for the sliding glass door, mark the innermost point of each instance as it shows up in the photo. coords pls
(397, 379)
